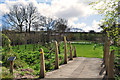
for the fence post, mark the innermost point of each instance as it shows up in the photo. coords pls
(56, 56)
(111, 65)
(42, 65)
(65, 53)
(71, 57)
(75, 52)
(11, 67)
(105, 44)
(107, 55)
(11, 59)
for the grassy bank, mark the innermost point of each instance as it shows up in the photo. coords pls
(31, 58)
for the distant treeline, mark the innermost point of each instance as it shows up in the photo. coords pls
(42, 37)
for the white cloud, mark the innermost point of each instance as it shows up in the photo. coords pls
(87, 28)
(45, 9)
(79, 25)
(68, 9)
(3, 9)
(95, 26)
(71, 10)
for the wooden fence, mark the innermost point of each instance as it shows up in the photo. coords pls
(42, 62)
(42, 65)
(108, 58)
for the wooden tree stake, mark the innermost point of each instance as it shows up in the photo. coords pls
(65, 53)
(75, 52)
(42, 65)
(111, 65)
(107, 55)
(56, 56)
(105, 45)
(71, 57)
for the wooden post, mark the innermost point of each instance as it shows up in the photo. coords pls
(75, 52)
(11, 59)
(71, 57)
(56, 56)
(42, 65)
(105, 45)
(111, 65)
(65, 53)
(11, 67)
(107, 55)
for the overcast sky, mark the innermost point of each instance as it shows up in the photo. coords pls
(78, 13)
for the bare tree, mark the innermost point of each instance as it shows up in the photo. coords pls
(15, 17)
(48, 27)
(31, 19)
(46, 22)
(60, 26)
(32, 15)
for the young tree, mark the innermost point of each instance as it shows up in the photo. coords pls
(60, 26)
(46, 22)
(111, 24)
(109, 9)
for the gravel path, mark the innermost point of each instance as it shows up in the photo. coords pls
(80, 67)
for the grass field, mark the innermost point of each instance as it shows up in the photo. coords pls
(89, 50)
(83, 50)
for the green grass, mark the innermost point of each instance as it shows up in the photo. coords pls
(32, 58)
(84, 50)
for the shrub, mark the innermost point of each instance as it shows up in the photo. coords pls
(37, 67)
(117, 66)
(6, 43)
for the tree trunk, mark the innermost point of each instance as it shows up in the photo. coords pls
(34, 42)
(18, 42)
(29, 30)
(20, 29)
(59, 42)
(48, 37)
(25, 40)
(43, 38)
(59, 47)
(29, 27)
(39, 42)
(26, 28)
